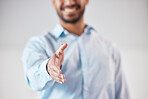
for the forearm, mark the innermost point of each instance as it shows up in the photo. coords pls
(39, 70)
(38, 77)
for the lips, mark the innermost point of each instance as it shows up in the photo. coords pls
(70, 8)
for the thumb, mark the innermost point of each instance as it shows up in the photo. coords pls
(61, 49)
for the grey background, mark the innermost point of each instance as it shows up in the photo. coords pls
(124, 22)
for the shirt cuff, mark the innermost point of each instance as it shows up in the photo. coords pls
(45, 76)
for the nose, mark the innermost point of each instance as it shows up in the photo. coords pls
(70, 2)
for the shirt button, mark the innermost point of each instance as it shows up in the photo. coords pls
(85, 88)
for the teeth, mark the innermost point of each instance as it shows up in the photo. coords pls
(70, 10)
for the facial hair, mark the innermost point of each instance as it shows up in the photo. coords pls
(73, 20)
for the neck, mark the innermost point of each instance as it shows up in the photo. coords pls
(74, 28)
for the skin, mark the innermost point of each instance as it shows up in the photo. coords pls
(53, 65)
(71, 18)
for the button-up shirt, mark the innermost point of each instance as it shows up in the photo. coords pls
(92, 66)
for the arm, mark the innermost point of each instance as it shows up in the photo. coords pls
(121, 88)
(36, 62)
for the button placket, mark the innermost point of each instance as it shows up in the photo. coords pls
(85, 73)
(84, 67)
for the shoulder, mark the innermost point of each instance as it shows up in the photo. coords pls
(42, 43)
(41, 39)
(36, 40)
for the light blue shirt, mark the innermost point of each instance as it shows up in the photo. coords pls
(92, 66)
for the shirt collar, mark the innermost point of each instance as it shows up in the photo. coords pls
(59, 30)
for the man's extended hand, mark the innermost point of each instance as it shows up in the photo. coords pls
(53, 65)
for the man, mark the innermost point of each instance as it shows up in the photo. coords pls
(90, 68)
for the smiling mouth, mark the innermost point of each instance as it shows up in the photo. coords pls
(70, 9)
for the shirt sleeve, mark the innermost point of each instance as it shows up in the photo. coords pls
(35, 60)
(121, 88)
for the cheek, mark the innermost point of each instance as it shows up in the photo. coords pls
(82, 3)
(57, 8)
(58, 4)
(82, 7)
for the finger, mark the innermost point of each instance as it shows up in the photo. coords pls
(61, 49)
(57, 79)
(55, 74)
(60, 76)
(55, 69)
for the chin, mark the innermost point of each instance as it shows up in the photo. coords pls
(72, 18)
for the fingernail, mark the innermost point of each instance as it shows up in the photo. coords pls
(61, 76)
(62, 80)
